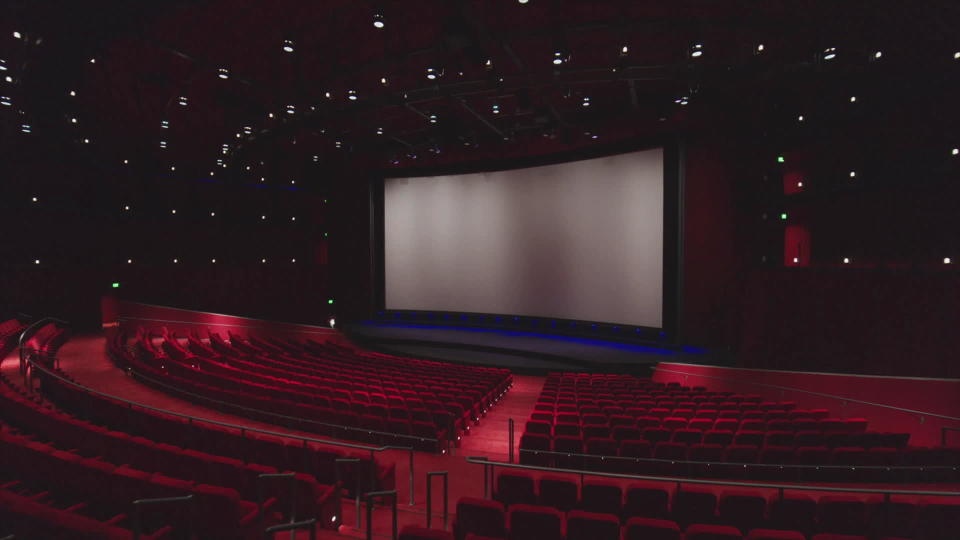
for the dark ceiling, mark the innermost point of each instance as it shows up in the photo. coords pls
(131, 62)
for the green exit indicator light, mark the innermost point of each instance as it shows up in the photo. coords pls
(330, 300)
(115, 284)
(783, 215)
(780, 159)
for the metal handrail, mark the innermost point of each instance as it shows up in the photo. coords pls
(735, 483)
(371, 449)
(309, 524)
(356, 489)
(29, 331)
(369, 499)
(812, 393)
(292, 486)
(759, 465)
(140, 503)
(446, 497)
(284, 416)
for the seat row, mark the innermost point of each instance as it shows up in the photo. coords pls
(90, 440)
(281, 453)
(96, 488)
(933, 518)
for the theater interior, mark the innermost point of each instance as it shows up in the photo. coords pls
(476, 269)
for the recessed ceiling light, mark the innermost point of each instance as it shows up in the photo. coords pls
(696, 50)
(263, 260)
(34, 199)
(378, 21)
(383, 81)
(72, 93)
(17, 35)
(8, 78)
(379, 132)
(36, 261)
(759, 48)
(213, 214)
(126, 162)
(523, 1)
(586, 101)
(956, 55)
(174, 211)
(214, 261)
(293, 260)
(846, 260)
(433, 118)
(853, 174)
(291, 109)
(625, 49)
(877, 55)
(86, 141)
(73, 120)
(175, 261)
(800, 118)
(164, 124)
(263, 218)
(223, 73)
(946, 260)
(126, 207)
(129, 261)
(5, 100)
(496, 108)
(3, 65)
(352, 95)
(432, 73)
(829, 53)
(93, 60)
(955, 151)
(288, 45)
(853, 99)
(182, 101)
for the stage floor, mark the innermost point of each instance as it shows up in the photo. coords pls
(520, 351)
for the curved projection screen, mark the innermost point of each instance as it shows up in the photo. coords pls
(579, 240)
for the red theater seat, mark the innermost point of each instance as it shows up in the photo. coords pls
(413, 532)
(640, 528)
(602, 497)
(773, 534)
(712, 532)
(528, 522)
(558, 492)
(646, 501)
(694, 505)
(481, 517)
(744, 510)
(592, 526)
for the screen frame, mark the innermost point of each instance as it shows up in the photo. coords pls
(673, 189)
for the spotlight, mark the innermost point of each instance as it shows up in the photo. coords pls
(759, 48)
(3, 65)
(214, 261)
(853, 99)
(955, 151)
(557, 58)
(126, 162)
(378, 20)
(36, 261)
(173, 168)
(624, 50)
(487, 64)
(293, 218)
(956, 55)
(796, 260)
(853, 174)
(175, 261)
(34, 199)
(337, 144)
(247, 130)
(73, 120)
(682, 100)
(846, 260)
(223, 73)
(86, 141)
(17, 35)
(383, 81)
(877, 55)
(783, 216)
(352, 95)
(333, 323)
(263, 261)
(288, 45)
(696, 50)
(379, 132)
(164, 124)
(495, 108)
(433, 118)
(182, 101)
(434, 73)
(72, 93)
(263, 218)
(523, 1)
(213, 214)
(800, 118)
(93, 60)
(174, 211)
(293, 260)
(946, 260)
(8, 79)
(129, 261)
(291, 109)
(829, 53)
(126, 207)
(5, 101)
(163, 144)
(586, 101)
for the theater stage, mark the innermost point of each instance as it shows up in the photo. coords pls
(523, 352)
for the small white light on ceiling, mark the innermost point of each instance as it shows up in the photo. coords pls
(829, 53)
(173, 168)
(800, 184)
(182, 101)
(214, 261)
(8, 78)
(432, 73)
(488, 63)
(956, 55)
(126, 162)
(163, 144)
(326, 95)
(5, 101)
(853, 99)
(93, 60)
(34, 199)
(293, 260)
(3, 65)
(36, 261)
(352, 95)
(760, 48)
(86, 141)
(269, 115)
(174, 211)
(72, 93)
(379, 132)
(293, 182)
(586, 101)
(247, 129)
(946, 260)
(291, 109)
(129, 261)
(73, 120)
(213, 214)
(25, 128)
(523, 1)
(433, 118)
(877, 55)
(625, 49)
(955, 151)
(262, 179)
(495, 108)
(337, 144)
(223, 73)
(126, 207)
(175, 261)
(853, 174)
(846, 260)
(17, 35)
(288, 45)
(293, 218)
(263, 218)
(800, 118)
(557, 58)
(796, 260)
(696, 51)
(263, 260)
(682, 100)
(164, 124)
(378, 21)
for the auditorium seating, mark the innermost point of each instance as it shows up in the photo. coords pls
(622, 416)
(661, 510)
(334, 390)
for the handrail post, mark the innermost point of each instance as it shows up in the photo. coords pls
(356, 489)
(510, 442)
(446, 509)
(138, 512)
(293, 496)
(411, 477)
(369, 498)
(483, 458)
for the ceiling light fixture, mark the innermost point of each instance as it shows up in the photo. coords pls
(378, 21)
(352, 95)
(829, 53)
(223, 73)
(288, 45)
(182, 101)
(696, 50)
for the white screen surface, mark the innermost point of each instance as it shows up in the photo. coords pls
(579, 240)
